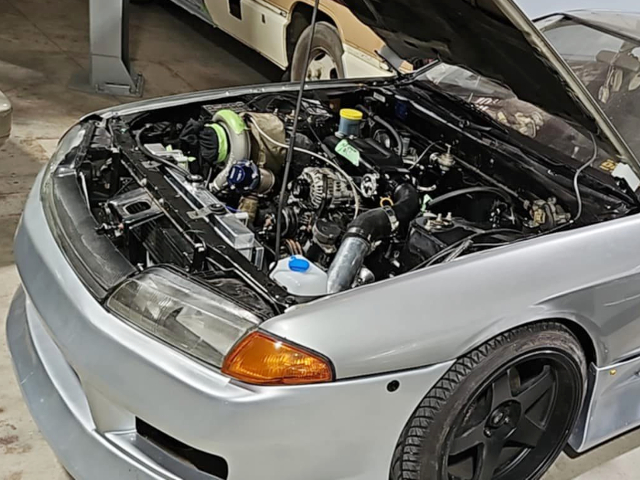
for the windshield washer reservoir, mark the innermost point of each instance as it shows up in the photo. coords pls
(300, 276)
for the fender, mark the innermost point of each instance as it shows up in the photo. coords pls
(454, 307)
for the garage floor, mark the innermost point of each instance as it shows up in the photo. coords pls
(44, 42)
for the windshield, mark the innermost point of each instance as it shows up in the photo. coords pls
(609, 66)
(503, 105)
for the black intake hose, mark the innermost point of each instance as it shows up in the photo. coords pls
(406, 203)
(368, 228)
(380, 223)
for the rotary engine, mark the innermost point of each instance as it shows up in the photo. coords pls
(366, 198)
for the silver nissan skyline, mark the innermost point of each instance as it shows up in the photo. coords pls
(433, 276)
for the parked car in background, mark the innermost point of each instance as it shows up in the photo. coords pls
(6, 113)
(539, 8)
(279, 29)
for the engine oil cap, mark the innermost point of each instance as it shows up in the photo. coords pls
(297, 264)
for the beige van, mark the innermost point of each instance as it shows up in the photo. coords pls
(279, 30)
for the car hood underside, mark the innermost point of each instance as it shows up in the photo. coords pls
(492, 38)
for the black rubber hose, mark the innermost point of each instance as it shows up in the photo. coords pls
(376, 224)
(372, 225)
(470, 190)
(155, 158)
(406, 203)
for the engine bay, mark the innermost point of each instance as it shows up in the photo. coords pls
(379, 185)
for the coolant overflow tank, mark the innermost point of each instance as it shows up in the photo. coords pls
(300, 277)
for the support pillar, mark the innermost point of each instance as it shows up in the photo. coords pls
(110, 70)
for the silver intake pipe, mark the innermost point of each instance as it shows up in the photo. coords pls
(365, 231)
(347, 264)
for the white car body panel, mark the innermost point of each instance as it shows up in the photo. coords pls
(262, 27)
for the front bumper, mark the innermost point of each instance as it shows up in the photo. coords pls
(59, 407)
(87, 376)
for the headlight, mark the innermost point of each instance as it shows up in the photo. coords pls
(70, 141)
(65, 152)
(182, 313)
(214, 330)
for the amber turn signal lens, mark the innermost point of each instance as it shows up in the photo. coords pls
(264, 360)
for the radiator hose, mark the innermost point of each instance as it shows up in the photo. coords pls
(366, 230)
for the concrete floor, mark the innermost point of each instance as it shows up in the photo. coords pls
(44, 42)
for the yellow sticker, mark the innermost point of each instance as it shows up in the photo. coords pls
(608, 165)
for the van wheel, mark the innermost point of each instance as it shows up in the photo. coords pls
(325, 62)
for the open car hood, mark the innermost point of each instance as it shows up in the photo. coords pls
(495, 39)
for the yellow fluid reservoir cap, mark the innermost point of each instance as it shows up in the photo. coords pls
(351, 114)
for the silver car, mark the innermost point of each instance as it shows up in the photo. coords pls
(6, 113)
(433, 276)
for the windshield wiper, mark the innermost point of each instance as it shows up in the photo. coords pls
(472, 117)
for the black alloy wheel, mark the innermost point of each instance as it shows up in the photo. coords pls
(503, 412)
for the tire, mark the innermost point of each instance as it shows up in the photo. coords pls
(504, 395)
(326, 47)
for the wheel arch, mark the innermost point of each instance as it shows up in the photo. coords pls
(584, 337)
(294, 28)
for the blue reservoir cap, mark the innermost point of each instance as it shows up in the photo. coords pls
(298, 264)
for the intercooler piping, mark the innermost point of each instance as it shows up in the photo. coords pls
(367, 229)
